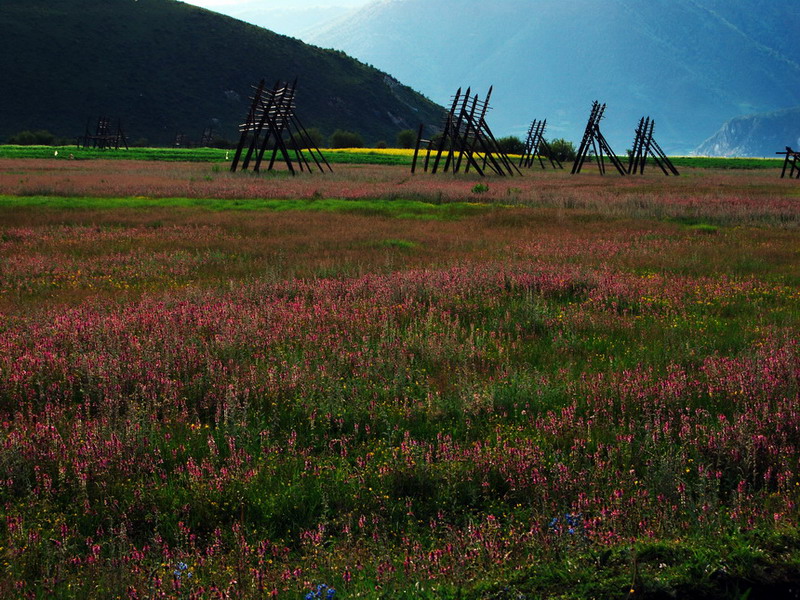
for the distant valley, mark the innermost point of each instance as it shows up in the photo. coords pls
(689, 64)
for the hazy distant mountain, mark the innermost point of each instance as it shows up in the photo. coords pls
(763, 134)
(162, 66)
(689, 64)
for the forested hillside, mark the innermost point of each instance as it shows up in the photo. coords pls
(162, 67)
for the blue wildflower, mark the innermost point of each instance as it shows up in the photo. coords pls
(181, 569)
(322, 592)
(572, 521)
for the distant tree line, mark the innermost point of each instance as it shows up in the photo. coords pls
(561, 149)
(41, 137)
(345, 139)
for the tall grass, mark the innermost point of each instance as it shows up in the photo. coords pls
(529, 401)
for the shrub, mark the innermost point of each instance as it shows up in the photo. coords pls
(406, 138)
(511, 145)
(562, 150)
(437, 139)
(346, 139)
(316, 137)
(219, 142)
(41, 137)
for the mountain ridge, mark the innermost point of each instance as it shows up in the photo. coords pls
(761, 134)
(689, 64)
(163, 66)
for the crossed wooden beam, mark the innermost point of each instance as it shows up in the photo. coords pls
(594, 141)
(536, 146)
(792, 162)
(466, 139)
(272, 118)
(104, 135)
(645, 145)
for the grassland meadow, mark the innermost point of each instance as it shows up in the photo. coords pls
(373, 385)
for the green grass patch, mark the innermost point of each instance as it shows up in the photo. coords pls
(704, 228)
(694, 224)
(401, 209)
(366, 157)
(376, 156)
(709, 162)
(398, 244)
(334, 156)
(149, 154)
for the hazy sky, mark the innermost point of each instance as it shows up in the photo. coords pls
(273, 4)
(289, 17)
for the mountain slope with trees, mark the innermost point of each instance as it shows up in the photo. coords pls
(689, 64)
(162, 67)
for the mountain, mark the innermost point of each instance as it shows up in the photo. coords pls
(688, 64)
(762, 134)
(162, 66)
